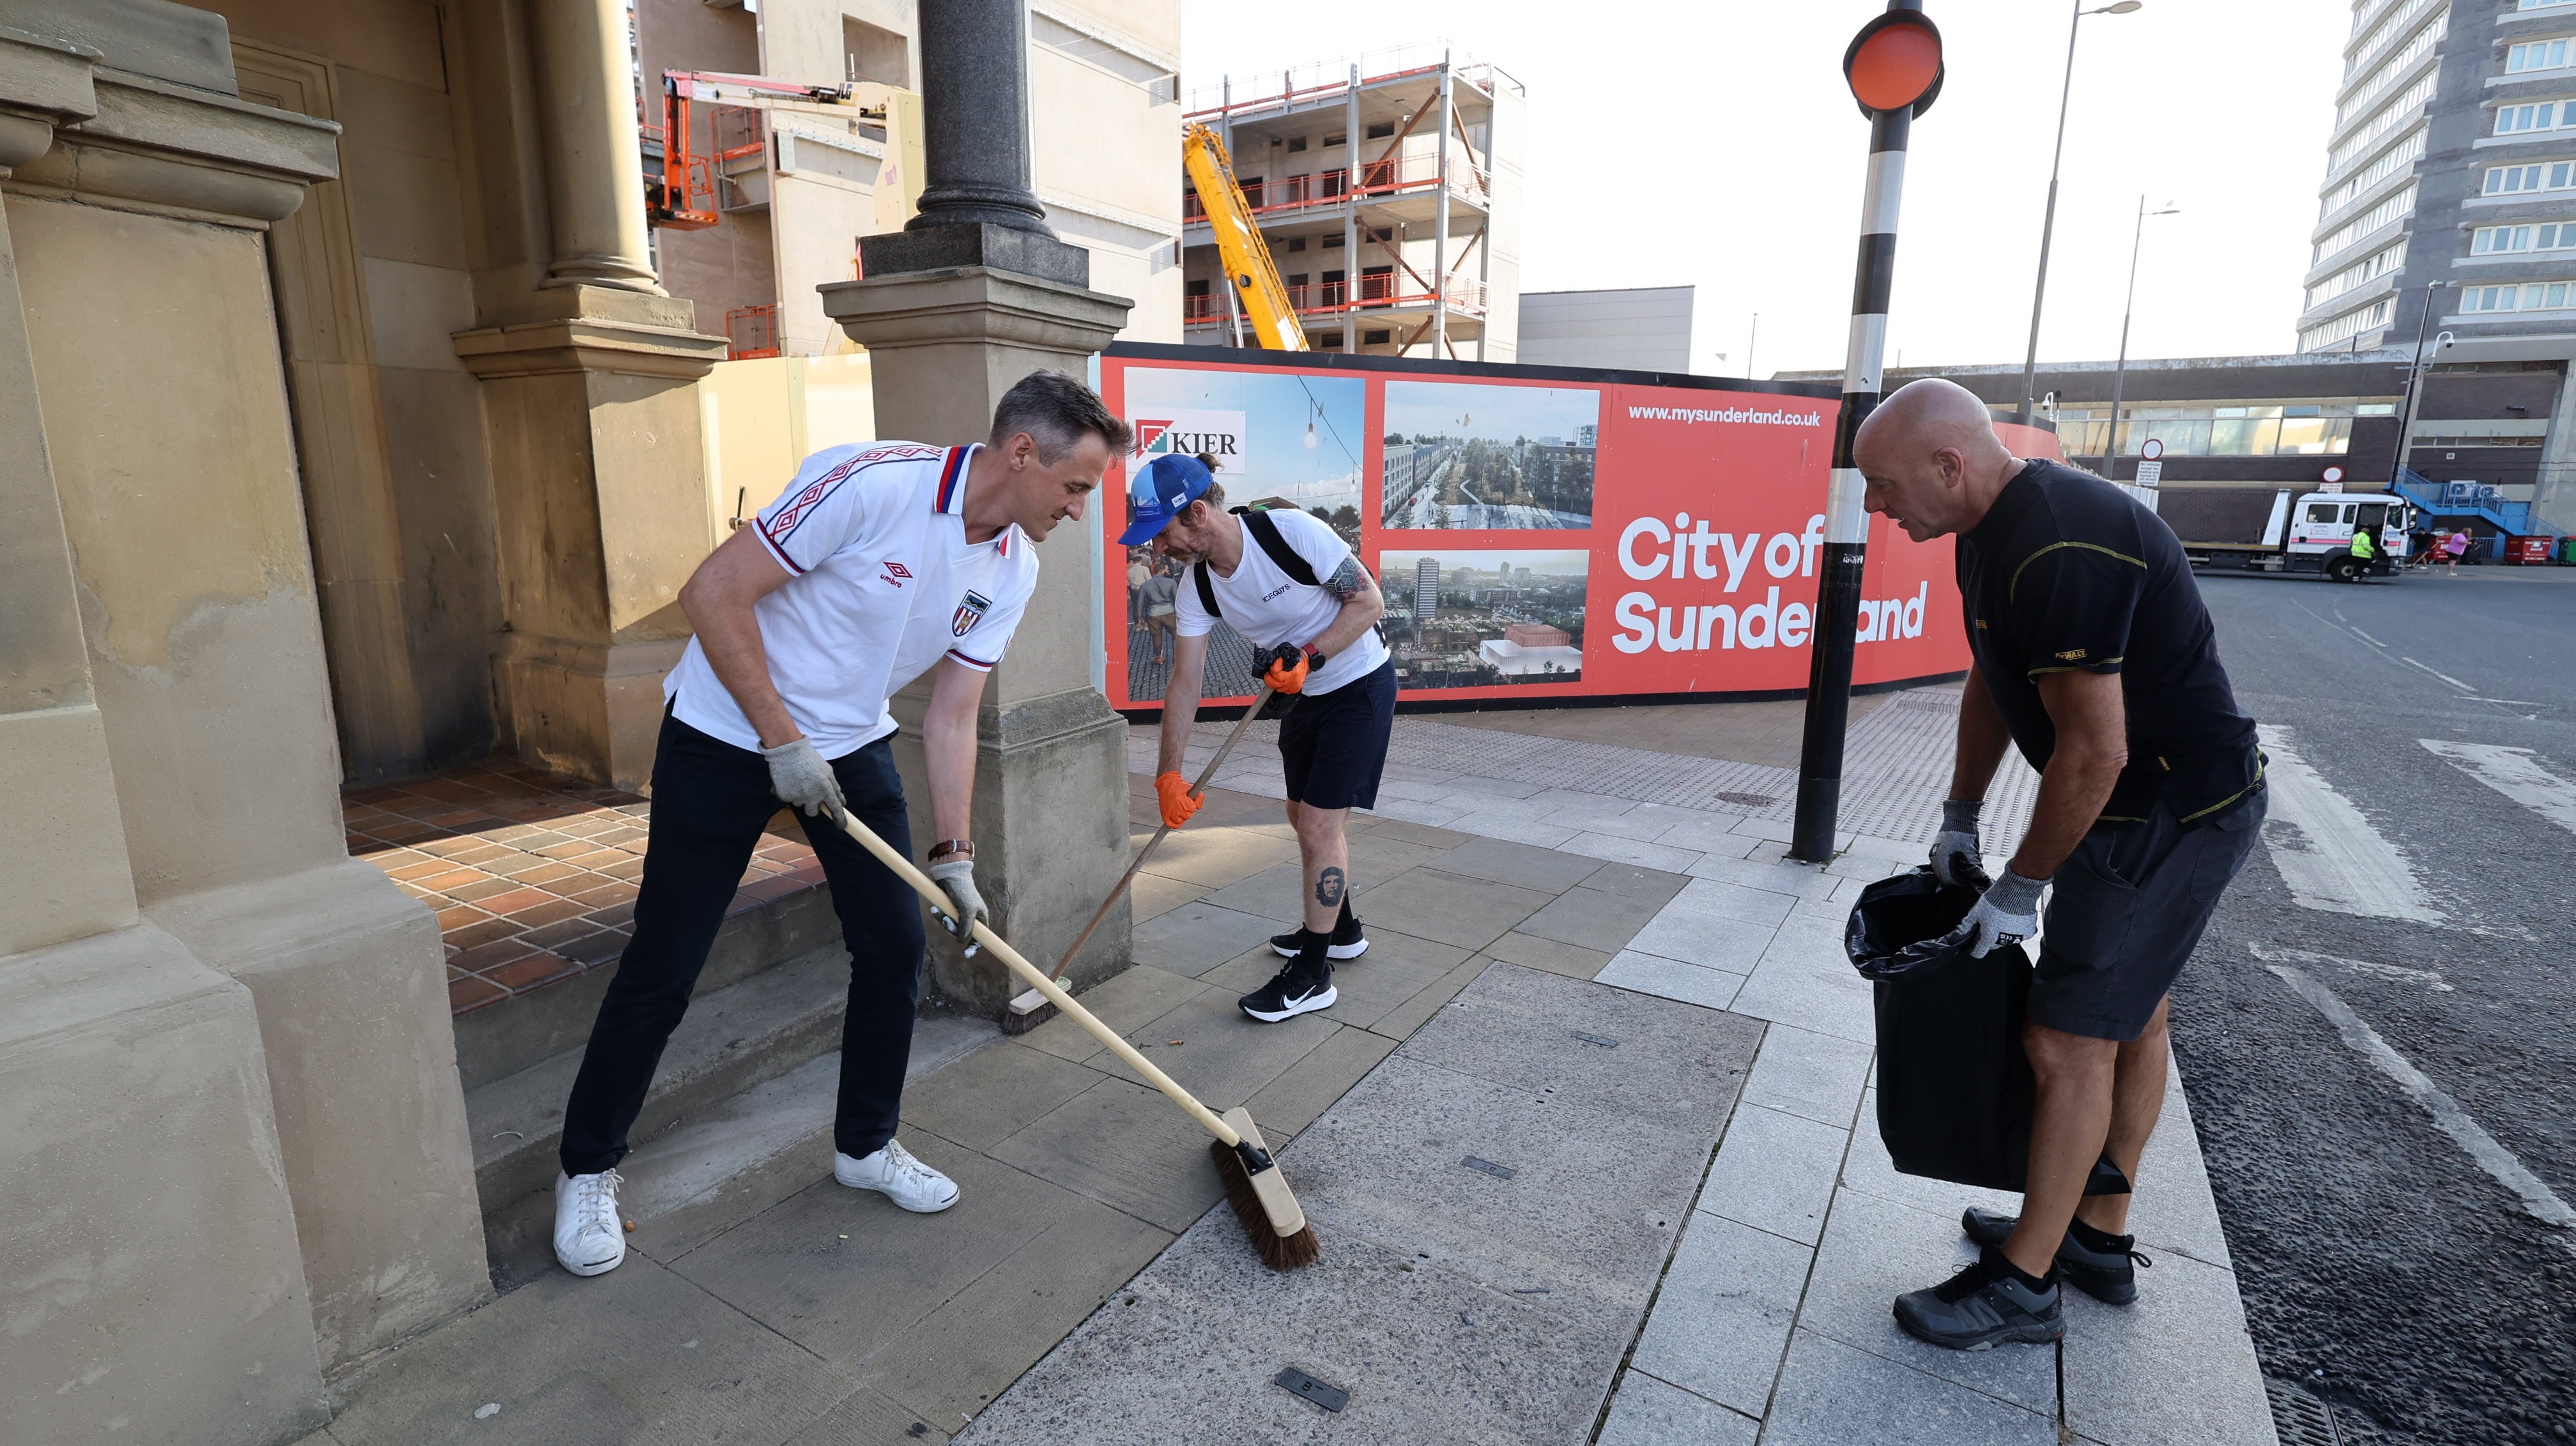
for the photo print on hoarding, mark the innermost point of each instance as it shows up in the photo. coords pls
(1275, 436)
(1484, 618)
(1474, 457)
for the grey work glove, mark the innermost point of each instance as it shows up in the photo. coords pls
(2006, 913)
(803, 780)
(1956, 859)
(956, 878)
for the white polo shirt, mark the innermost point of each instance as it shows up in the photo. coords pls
(885, 585)
(1269, 607)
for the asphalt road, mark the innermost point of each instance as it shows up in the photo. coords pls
(2382, 1265)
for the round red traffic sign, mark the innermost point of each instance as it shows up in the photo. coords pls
(2153, 450)
(2334, 474)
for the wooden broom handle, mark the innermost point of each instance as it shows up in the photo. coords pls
(1147, 851)
(921, 884)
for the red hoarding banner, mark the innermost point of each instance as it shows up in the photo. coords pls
(1536, 535)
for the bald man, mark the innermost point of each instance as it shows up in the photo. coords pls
(2094, 656)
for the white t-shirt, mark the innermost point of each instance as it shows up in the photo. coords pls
(885, 585)
(1269, 608)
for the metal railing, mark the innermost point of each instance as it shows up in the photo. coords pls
(751, 331)
(1370, 293)
(2472, 499)
(1315, 79)
(1394, 176)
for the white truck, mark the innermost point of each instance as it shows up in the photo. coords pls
(2308, 532)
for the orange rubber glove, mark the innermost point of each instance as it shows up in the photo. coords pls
(1174, 791)
(1284, 677)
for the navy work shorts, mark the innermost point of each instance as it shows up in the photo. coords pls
(1333, 745)
(2128, 908)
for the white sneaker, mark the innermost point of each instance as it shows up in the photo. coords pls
(590, 1237)
(894, 1173)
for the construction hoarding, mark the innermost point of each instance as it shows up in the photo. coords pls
(1539, 532)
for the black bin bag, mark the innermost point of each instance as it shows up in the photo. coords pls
(1954, 1083)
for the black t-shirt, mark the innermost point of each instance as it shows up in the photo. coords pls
(2067, 571)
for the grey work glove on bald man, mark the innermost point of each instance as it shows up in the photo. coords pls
(2006, 913)
(803, 780)
(956, 878)
(1955, 857)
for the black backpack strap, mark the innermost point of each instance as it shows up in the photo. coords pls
(1289, 559)
(1207, 594)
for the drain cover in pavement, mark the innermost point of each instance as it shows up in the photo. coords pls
(1297, 1383)
(2304, 1420)
(1499, 1172)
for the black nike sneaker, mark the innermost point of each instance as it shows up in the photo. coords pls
(1347, 943)
(1983, 1306)
(1303, 987)
(2110, 1277)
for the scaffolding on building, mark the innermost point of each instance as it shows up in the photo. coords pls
(1415, 132)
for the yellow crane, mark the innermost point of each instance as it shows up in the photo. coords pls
(1253, 276)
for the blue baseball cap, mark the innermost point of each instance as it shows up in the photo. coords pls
(1160, 491)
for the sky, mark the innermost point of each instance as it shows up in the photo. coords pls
(1496, 414)
(1712, 143)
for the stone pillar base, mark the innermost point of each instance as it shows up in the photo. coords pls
(149, 1273)
(1049, 845)
(1051, 770)
(350, 986)
(600, 477)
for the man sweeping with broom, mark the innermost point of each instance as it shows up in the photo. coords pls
(880, 562)
(1279, 577)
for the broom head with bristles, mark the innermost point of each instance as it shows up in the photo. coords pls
(1261, 1200)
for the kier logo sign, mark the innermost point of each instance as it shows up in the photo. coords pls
(1190, 433)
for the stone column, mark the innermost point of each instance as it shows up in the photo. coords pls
(973, 295)
(588, 372)
(594, 159)
(2554, 500)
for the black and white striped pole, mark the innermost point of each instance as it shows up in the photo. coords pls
(1894, 69)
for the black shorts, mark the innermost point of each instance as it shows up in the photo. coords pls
(1333, 745)
(2128, 908)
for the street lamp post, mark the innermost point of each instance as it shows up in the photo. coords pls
(2048, 220)
(1894, 69)
(2414, 385)
(2120, 374)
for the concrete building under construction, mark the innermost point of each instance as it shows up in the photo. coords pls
(1389, 190)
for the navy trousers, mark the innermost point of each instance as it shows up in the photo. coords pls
(710, 801)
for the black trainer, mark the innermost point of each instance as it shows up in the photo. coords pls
(1983, 1306)
(2110, 1277)
(1303, 987)
(1348, 941)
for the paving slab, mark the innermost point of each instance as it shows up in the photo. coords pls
(1425, 1354)
(1400, 1022)
(1439, 838)
(1504, 862)
(1430, 903)
(869, 1418)
(1710, 941)
(1775, 1172)
(1125, 1146)
(1152, 894)
(637, 1355)
(1581, 1044)
(1591, 918)
(1532, 952)
(1868, 1169)
(1723, 1315)
(2176, 1368)
(1649, 1412)
(1122, 1001)
(1216, 1051)
(2174, 1210)
(1631, 851)
(1875, 1250)
(1370, 987)
(1635, 882)
(1831, 1394)
(1516, 825)
(1197, 937)
(1672, 979)
(984, 1099)
(1817, 1076)
(1274, 893)
(1288, 1104)
(1798, 986)
(1216, 856)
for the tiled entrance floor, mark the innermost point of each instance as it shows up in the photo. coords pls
(532, 875)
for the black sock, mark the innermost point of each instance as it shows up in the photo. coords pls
(2097, 1241)
(2000, 1267)
(1345, 924)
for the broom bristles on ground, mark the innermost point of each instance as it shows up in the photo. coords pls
(1277, 1251)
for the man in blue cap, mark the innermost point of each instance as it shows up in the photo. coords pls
(1281, 578)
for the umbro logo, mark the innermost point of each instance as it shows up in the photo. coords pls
(896, 574)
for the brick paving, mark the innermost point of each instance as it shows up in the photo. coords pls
(532, 875)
